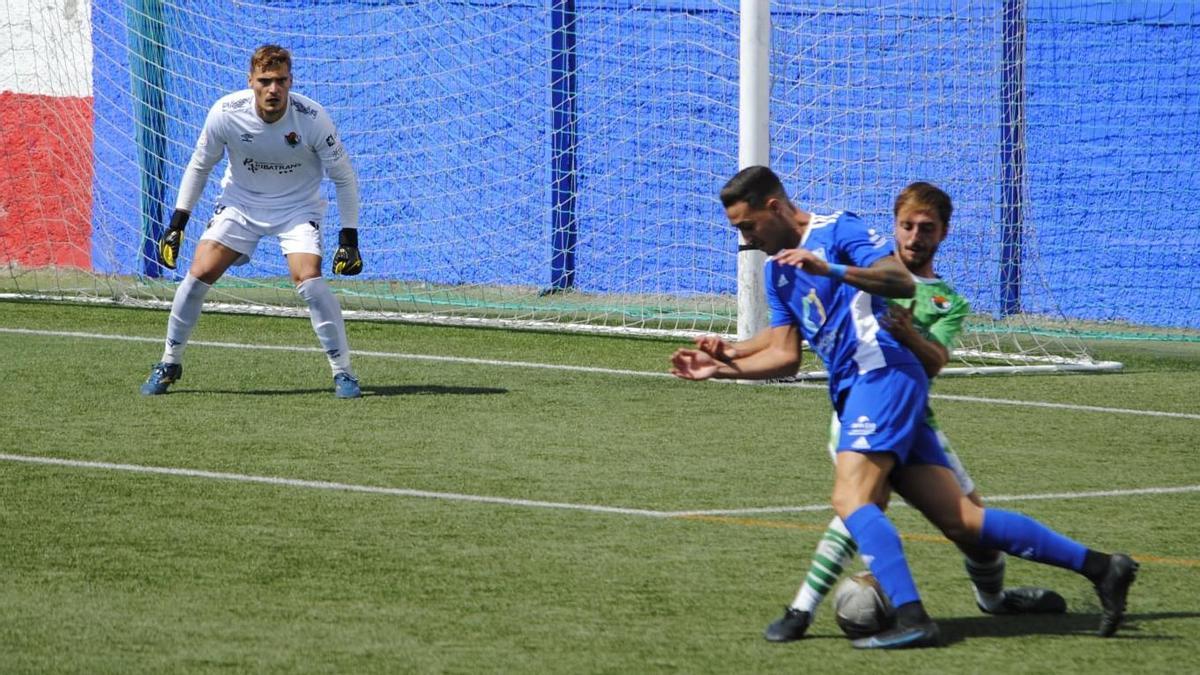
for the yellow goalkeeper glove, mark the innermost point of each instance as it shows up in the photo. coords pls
(172, 239)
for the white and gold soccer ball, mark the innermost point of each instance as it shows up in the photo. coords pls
(860, 606)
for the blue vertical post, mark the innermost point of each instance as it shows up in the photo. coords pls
(147, 62)
(1012, 156)
(563, 177)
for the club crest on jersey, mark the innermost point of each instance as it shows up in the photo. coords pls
(941, 303)
(292, 138)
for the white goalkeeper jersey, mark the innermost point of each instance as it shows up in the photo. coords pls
(273, 168)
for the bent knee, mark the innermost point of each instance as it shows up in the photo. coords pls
(960, 533)
(303, 276)
(958, 529)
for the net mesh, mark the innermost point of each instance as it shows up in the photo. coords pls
(556, 164)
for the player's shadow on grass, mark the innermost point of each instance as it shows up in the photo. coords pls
(429, 390)
(368, 391)
(957, 629)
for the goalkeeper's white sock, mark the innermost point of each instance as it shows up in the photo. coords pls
(835, 550)
(185, 312)
(327, 321)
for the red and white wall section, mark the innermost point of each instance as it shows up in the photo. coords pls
(46, 137)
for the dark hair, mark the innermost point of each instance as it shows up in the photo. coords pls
(925, 195)
(753, 185)
(269, 56)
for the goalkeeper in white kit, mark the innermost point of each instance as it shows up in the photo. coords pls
(280, 144)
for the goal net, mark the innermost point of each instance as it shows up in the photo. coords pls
(555, 163)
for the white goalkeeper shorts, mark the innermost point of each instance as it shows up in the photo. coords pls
(960, 472)
(298, 233)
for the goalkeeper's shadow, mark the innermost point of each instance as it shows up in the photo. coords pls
(429, 390)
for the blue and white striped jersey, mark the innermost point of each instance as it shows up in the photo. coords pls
(840, 322)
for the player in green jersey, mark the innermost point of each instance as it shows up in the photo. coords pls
(928, 324)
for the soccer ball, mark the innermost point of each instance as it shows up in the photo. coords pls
(860, 606)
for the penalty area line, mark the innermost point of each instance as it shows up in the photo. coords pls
(580, 369)
(529, 503)
(1064, 496)
(323, 485)
(728, 516)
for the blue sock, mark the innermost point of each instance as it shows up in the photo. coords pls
(879, 545)
(1023, 536)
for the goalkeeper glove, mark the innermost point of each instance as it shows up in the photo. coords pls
(347, 261)
(168, 245)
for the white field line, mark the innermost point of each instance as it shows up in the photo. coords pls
(354, 352)
(325, 485)
(1066, 406)
(580, 369)
(528, 503)
(1093, 494)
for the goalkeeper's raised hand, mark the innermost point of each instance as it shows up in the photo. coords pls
(347, 261)
(172, 239)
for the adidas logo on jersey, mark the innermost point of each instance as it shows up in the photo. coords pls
(861, 444)
(781, 281)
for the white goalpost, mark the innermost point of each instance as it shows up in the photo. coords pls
(555, 164)
(754, 149)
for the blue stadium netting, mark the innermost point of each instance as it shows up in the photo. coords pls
(466, 120)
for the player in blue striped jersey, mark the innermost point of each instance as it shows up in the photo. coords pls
(928, 324)
(824, 280)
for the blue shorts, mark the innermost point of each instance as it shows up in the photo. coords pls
(884, 411)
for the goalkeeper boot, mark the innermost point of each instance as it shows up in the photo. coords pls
(1112, 589)
(1027, 600)
(346, 386)
(791, 626)
(162, 375)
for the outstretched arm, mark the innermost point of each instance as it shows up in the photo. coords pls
(724, 351)
(886, 277)
(779, 357)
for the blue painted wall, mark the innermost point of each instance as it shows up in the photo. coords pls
(452, 141)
